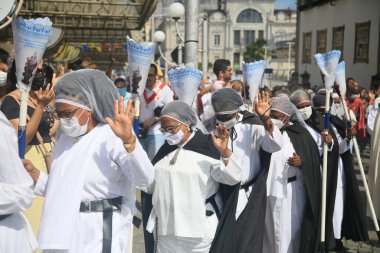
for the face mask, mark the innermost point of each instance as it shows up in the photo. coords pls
(278, 123)
(38, 81)
(3, 78)
(122, 91)
(72, 128)
(228, 124)
(174, 139)
(306, 112)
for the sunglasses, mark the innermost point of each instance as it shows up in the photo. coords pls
(169, 129)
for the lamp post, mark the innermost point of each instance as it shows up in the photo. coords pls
(191, 30)
(176, 11)
(159, 37)
(289, 55)
(205, 46)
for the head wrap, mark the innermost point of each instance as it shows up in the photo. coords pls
(319, 101)
(285, 106)
(226, 101)
(88, 89)
(299, 96)
(183, 113)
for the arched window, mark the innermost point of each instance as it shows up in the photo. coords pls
(250, 16)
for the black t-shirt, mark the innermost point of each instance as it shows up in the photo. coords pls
(11, 108)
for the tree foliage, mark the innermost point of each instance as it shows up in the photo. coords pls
(255, 51)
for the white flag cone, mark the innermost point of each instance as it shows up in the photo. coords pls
(185, 82)
(140, 56)
(340, 78)
(253, 73)
(30, 38)
(332, 59)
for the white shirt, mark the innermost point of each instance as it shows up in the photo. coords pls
(163, 97)
(16, 194)
(95, 167)
(180, 191)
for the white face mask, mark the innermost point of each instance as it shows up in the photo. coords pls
(3, 78)
(174, 139)
(278, 123)
(229, 123)
(72, 128)
(306, 112)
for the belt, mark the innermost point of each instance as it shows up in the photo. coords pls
(107, 206)
(3, 217)
(291, 179)
(212, 201)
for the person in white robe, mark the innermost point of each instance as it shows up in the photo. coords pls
(188, 169)
(97, 162)
(16, 195)
(286, 189)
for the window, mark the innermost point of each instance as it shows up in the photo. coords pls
(237, 38)
(217, 39)
(362, 42)
(306, 52)
(261, 34)
(250, 16)
(321, 41)
(236, 59)
(249, 37)
(338, 39)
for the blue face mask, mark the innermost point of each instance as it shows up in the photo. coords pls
(122, 91)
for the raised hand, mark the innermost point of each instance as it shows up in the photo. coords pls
(122, 125)
(221, 141)
(44, 97)
(295, 160)
(327, 138)
(262, 104)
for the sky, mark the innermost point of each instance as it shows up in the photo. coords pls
(284, 4)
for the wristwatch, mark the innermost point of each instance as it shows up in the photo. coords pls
(129, 145)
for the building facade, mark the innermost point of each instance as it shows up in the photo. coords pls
(351, 26)
(232, 25)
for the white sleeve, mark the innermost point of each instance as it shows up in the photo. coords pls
(371, 120)
(263, 139)
(40, 187)
(230, 174)
(343, 144)
(135, 165)
(15, 198)
(168, 96)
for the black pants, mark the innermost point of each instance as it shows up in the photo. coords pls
(146, 206)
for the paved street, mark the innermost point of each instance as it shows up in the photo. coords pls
(369, 247)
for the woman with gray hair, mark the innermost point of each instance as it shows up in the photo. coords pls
(188, 169)
(89, 200)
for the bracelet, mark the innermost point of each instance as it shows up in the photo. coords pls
(129, 145)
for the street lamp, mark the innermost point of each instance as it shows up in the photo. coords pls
(289, 55)
(176, 11)
(159, 37)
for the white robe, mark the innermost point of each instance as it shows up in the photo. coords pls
(285, 203)
(96, 167)
(179, 196)
(16, 194)
(374, 166)
(246, 147)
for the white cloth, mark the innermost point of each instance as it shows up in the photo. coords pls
(372, 115)
(163, 97)
(93, 167)
(16, 194)
(374, 166)
(285, 203)
(340, 187)
(180, 192)
(250, 138)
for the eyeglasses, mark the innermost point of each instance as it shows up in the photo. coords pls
(169, 129)
(67, 114)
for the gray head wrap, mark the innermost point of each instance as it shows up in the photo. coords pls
(226, 101)
(299, 96)
(183, 113)
(88, 89)
(319, 101)
(284, 105)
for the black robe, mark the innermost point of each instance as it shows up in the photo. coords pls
(244, 235)
(354, 225)
(307, 149)
(316, 121)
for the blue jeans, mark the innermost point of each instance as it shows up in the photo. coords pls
(151, 144)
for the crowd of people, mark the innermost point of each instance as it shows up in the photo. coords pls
(235, 175)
